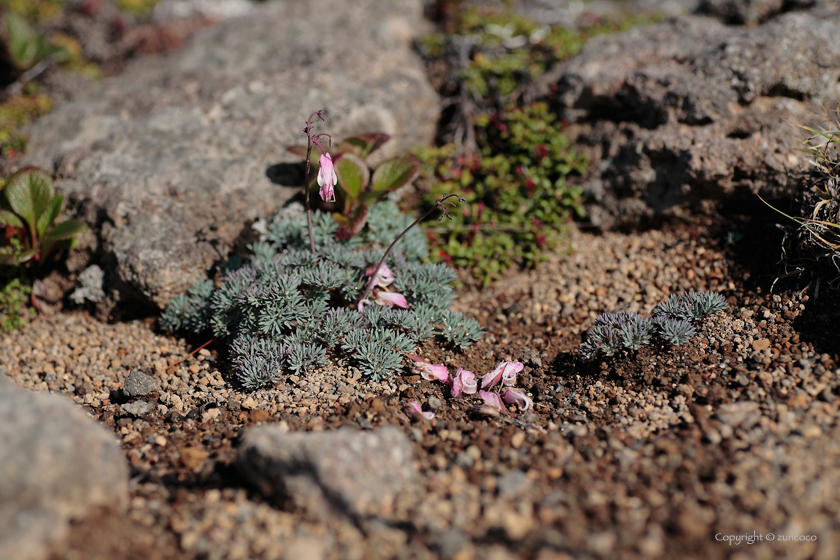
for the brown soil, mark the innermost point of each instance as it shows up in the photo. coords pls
(640, 456)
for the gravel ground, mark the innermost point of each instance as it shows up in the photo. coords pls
(649, 455)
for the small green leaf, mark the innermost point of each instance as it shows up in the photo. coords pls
(66, 230)
(363, 144)
(10, 219)
(29, 193)
(395, 173)
(17, 257)
(25, 46)
(52, 212)
(353, 174)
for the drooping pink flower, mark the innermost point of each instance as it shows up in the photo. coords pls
(469, 382)
(493, 400)
(414, 406)
(429, 372)
(514, 396)
(327, 178)
(464, 381)
(390, 299)
(510, 371)
(382, 278)
(505, 373)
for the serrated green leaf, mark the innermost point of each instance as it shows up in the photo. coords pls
(395, 173)
(353, 174)
(10, 219)
(51, 213)
(29, 193)
(66, 230)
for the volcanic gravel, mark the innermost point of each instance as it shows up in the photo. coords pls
(661, 453)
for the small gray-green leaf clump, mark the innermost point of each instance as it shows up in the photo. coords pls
(289, 310)
(672, 323)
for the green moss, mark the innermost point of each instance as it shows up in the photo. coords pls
(515, 187)
(15, 113)
(137, 7)
(511, 50)
(34, 11)
(14, 300)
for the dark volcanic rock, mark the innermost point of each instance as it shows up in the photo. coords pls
(172, 155)
(138, 384)
(690, 109)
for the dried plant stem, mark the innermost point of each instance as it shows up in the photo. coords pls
(439, 204)
(171, 368)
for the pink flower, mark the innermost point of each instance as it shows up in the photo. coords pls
(382, 278)
(414, 407)
(464, 381)
(514, 396)
(390, 299)
(428, 371)
(504, 372)
(493, 400)
(327, 178)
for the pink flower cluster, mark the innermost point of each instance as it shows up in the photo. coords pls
(504, 376)
(382, 278)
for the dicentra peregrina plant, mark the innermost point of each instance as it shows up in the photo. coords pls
(358, 184)
(299, 301)
(326, 174)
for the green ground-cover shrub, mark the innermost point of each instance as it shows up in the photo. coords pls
(516, 188)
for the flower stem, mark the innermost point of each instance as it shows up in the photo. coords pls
(306, 193)
(441, 203)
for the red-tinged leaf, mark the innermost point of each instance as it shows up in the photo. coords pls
(16, 257)
(363, 145)
(395, 173)
(353, 174)
(354, 225)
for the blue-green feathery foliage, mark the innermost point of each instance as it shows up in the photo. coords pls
(190, 311)
(671, 324)
(287, 309)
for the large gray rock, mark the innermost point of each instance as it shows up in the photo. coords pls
(750, 11)
(345, 472)
(690, 109)
(172, 155)
(56, 464)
